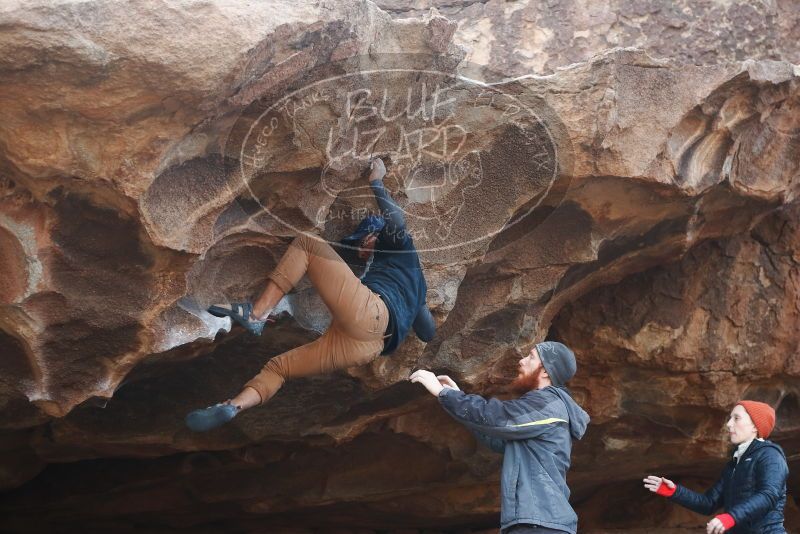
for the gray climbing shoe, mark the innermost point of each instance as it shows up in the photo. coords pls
(211, 417)
(242, 313)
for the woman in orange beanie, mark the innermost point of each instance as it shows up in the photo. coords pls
(752, 488)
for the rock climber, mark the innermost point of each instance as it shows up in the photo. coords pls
(371, 315)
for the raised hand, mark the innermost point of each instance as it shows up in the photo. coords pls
(427, 379)
(377, 169)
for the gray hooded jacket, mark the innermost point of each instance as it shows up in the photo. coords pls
(535, 434)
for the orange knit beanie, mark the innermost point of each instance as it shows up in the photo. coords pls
(762, 414)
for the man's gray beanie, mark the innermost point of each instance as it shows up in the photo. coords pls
(558, 361)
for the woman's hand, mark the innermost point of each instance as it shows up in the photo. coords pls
(659, 485)
(715, 526)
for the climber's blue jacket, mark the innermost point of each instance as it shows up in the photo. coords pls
(396, 275)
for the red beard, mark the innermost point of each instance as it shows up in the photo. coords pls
(525, 383)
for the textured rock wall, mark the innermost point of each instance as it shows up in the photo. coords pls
(641, 210)
(526, 36)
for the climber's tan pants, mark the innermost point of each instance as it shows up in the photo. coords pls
(360, 317)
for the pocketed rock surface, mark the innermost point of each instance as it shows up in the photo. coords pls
(156, 158)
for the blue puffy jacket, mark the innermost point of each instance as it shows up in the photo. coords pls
(753, 491)
(535, 434)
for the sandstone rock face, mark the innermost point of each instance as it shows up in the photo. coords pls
(521, 37)
(156, 158)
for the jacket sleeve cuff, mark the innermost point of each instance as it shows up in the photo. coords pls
(447, 403)
(666, 491)
(727, 521)
(443, 393)
(446, 399)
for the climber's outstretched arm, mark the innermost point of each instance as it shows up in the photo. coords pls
(395, 229)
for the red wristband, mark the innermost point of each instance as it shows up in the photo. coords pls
(665, 490)
(727, 520)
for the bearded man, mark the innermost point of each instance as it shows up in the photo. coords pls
(533, 432)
